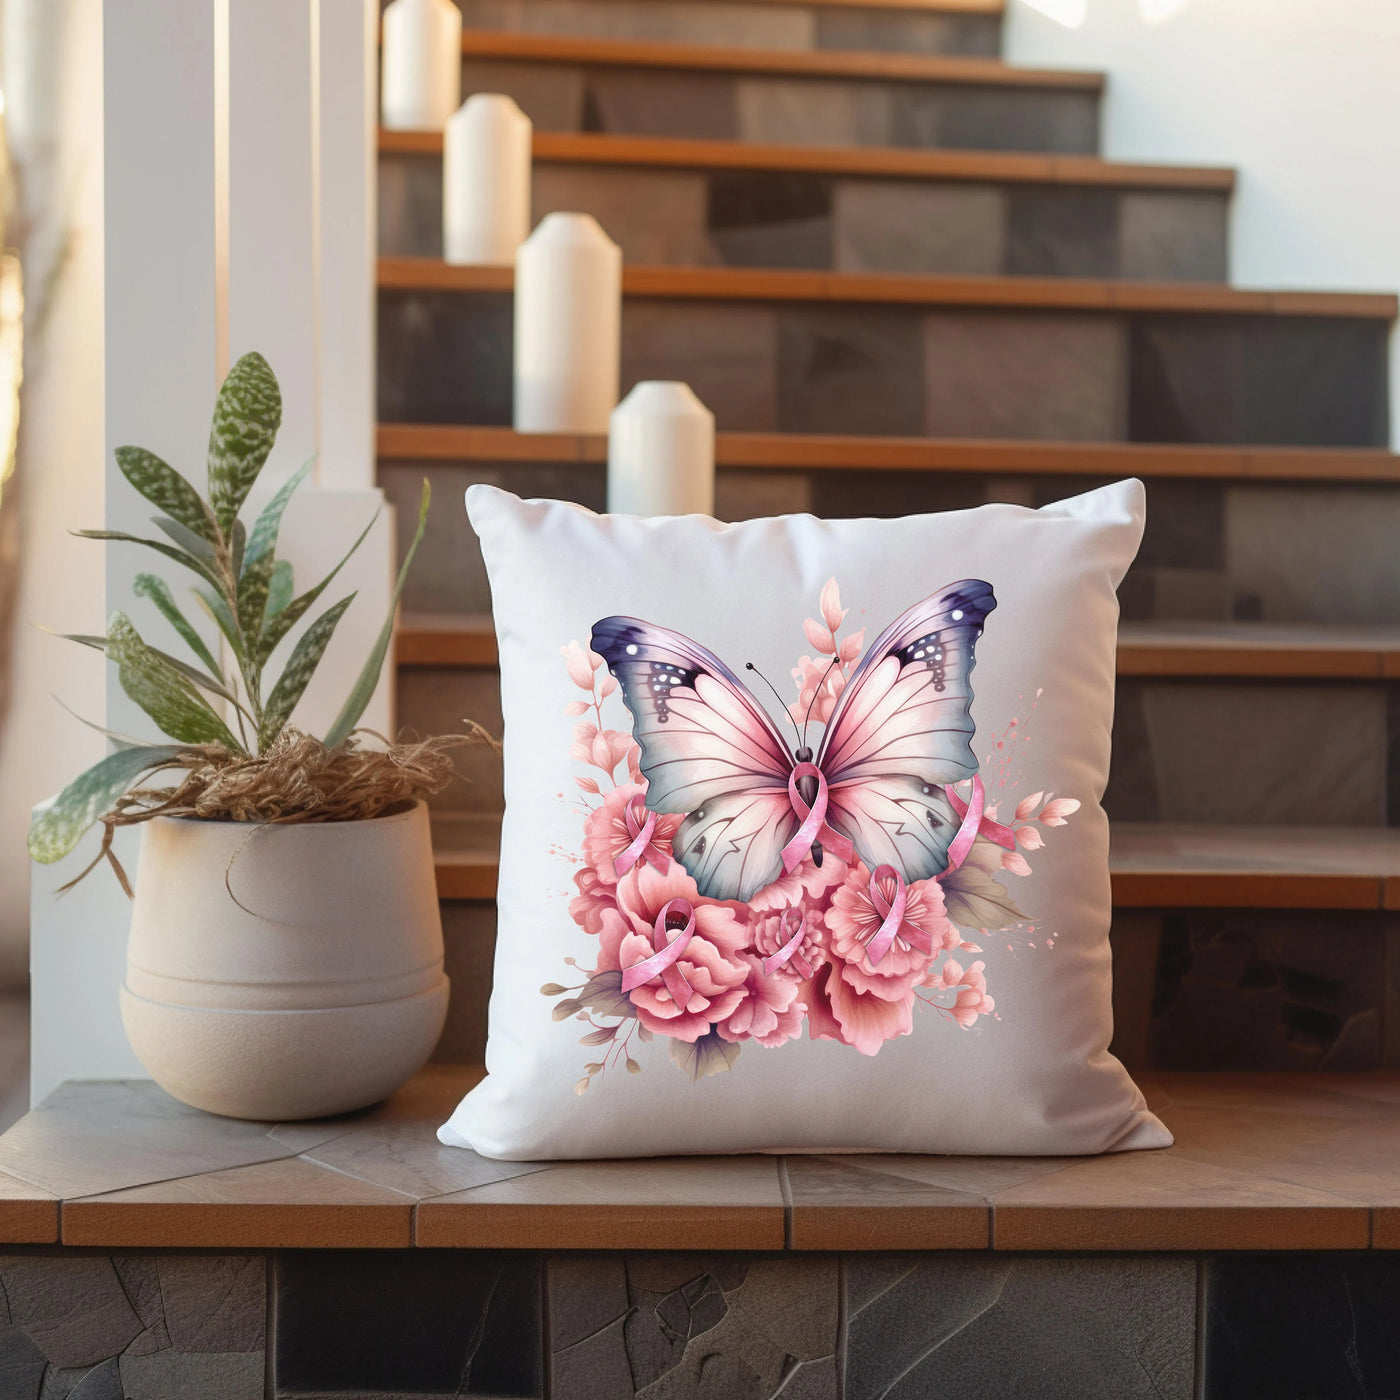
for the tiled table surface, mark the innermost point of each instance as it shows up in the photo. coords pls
(1290, 1162)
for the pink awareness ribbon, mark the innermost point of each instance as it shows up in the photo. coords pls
(789, 951)
(814, 825)
(892, 917)
(662, 963)
(641, 833)
(975, 823)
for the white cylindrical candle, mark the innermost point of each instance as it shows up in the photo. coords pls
(661, 452)
(485, 181)
(421, 82)
(568, 326)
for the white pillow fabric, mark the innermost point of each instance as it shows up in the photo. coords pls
(869, 913)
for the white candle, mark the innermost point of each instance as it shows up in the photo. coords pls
(421, 83)
(568, 327)
(485, 181)
(661, 452)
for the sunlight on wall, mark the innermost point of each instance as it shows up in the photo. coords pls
(1070, 13)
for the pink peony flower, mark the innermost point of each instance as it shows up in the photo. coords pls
(819, 687)
(807, 886)
(768, 1010)
(769, 935)
(593, 897)
(606, 834)
(837, 1011)
(970, 984)
(853, 920)
(712, 964)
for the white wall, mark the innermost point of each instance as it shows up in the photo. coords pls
(1301, 96)
(54, 111)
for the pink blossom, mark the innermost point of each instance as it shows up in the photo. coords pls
(851, 647)
(833, 614)
(581, 664)
(606, 834)
(586, 909)
(807, 886)
(1057, 810)
(603, 748)
(837, 1011)
(712, 964)
(578, 707)
(1028, 836)
(819, 687)
(972, 1000)
(1027, 805)
(768, 1010)
(1015, 862)
(819, 637)
(853, 920)
(768, 935)
(587, 784)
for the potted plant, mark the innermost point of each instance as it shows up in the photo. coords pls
(286, 957)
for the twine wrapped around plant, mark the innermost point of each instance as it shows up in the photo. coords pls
(297, 780)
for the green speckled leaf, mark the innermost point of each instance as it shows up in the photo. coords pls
(297, 673)
(153, 588)
(169, 698)
(263, 540)
(368, 678)
(163, 486)
(187, 540)
(168, 550)
(214, 606)
(280, 588)
(253, 585)
(247, 414)
(57, 829)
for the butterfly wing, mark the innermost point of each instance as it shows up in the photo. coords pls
(709, 750)
(902, 730)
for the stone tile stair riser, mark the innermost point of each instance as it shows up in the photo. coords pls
(774, 219)
(804, 111)
(734, 24)
(1090, 376)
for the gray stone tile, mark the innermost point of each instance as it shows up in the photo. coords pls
(174, 1375)
(552, 95)
(445, 358)
(1314, 554)
(100, 1382)
(994, 118)
(1025, 376)
(437, 700)
(655, 216)
(812, 111)
(726, 352)
(1271, 755)
(469, 940)
(694, 1327)
(1168, 237)
(213, 1303)
(410, 206)
(140, 1281)
(896, 31)
(770, 219)
(992, 1327)
(1251, 990)
(913, 226)
(662, 102)
(753, 495)
(849, 369)
(1061, 232)
(72, 1307)
(448, 575)
(22, 1364)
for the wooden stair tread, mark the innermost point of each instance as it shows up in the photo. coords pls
(1037, 293)
(587, 148)
(825, 63)
(1153, 865)
(835, 452)
(949, 7)
(1301, 1161)
(1241, 649)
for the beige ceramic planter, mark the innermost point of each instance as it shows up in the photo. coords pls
(323, 993)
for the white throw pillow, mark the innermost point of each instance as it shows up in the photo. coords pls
(867, 913)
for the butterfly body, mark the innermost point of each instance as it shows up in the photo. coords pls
(899, 734)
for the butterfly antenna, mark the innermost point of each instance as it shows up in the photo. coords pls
(807, 719)
(749, 666)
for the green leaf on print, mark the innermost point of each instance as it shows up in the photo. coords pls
(975, 898)
(297, 673)
(247, 414)
(159, 688)
(711, 1054)
(163, 486)
(602, 994)
(60, 826)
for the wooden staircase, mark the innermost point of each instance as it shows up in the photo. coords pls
(904, 280)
